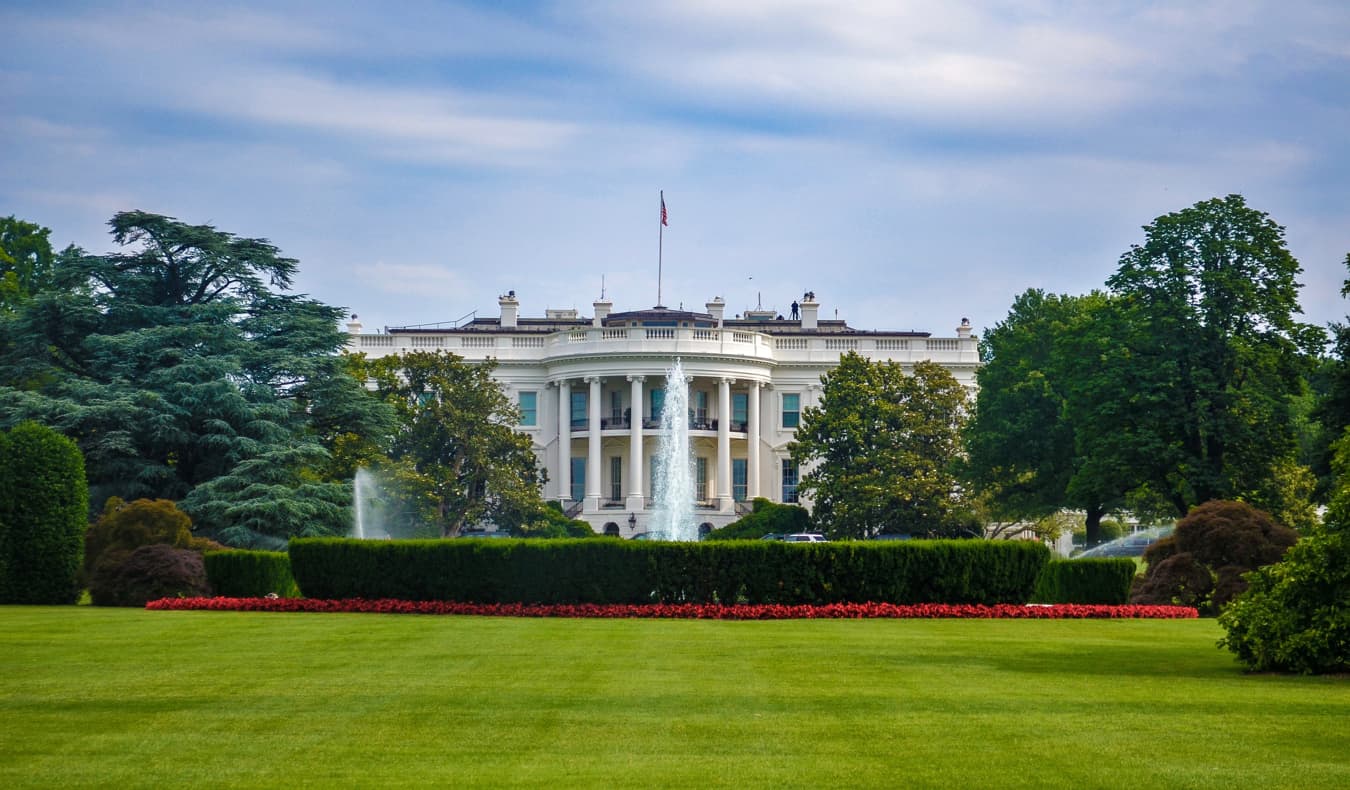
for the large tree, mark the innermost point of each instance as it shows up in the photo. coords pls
(457, 459)
(1022, 444)
(25, 261)
(880, 449)
(181, 360)
(1192, 396)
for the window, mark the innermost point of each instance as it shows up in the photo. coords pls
(740, 410)
(529, 408)
(739, 476)
(792, 409)
(579, 419)
(700, 479)
(616, 478)
(789, 480)
(616, 408)
(578, 479)
(658, 400)
(701, 408)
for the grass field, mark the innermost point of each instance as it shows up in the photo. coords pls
(124, 698)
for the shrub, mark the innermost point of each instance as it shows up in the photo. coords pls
(1295, 615)
(611, 571)
(551, 522)
(238, 573)
(765, 518)
(126, 526)
(44, 503)
(1085, 581)
(147, 573)
(1202, 563)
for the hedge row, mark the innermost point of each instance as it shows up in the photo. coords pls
(44, 503)
(1087, 581)
(250, 574)
(616, 572)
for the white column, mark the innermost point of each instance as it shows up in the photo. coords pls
(752, 443)
(564, 440)
(593, 445)
(635, 445)
(724, 500)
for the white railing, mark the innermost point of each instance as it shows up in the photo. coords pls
(729, 343)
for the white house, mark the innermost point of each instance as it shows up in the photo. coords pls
(591, 389)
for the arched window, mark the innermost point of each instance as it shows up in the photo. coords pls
(612, 529)
(704, 529)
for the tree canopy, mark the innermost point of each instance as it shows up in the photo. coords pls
(1022, 444)
(180, 360)
(880, 449)
(25, 261)
(1215, 356)
(457, 459)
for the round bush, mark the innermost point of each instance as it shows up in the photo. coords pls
(147, 573)
(1203, 562)
(1295, 616)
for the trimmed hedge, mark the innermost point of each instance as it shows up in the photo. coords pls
(614, 571)
(1093, 580)
(239, 573)
(44, 504)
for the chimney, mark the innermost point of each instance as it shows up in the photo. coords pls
(602, 309)
(963, 331)
(715, 309)
(810, 310)
(510, 310)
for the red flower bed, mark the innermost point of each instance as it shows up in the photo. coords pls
(681, 611)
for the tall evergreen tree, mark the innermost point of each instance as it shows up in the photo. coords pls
(179, 359)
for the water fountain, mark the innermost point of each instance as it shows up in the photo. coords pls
(673, 516)
(366, 520)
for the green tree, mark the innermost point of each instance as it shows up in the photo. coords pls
(25, 261)
(1190, 395)
(179, 359)
(457, 458)
(880, 449)
(1022, 445)
(44, 502)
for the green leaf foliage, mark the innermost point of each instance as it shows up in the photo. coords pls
(25, 261)
(1023, 450)
(766, 518)
(457, 458)
(1295, 614)
(147, 573)
(250, 574)
(1187, 389)
(1104, 580)
(880, 449)
(179, 358)
(44, 501)
(615, 571)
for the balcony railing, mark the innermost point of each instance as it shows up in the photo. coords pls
(663, 341)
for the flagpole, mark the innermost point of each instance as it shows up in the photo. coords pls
(660, 244)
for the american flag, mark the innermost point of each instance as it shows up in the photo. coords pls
(663, 211)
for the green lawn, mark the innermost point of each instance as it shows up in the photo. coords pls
(124, 698)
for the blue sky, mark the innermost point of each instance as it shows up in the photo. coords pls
(911, 163)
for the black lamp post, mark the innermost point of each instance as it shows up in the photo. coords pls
(632, 521)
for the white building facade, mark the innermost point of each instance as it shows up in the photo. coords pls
(591, 390)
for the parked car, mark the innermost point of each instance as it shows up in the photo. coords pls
(805, 537)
